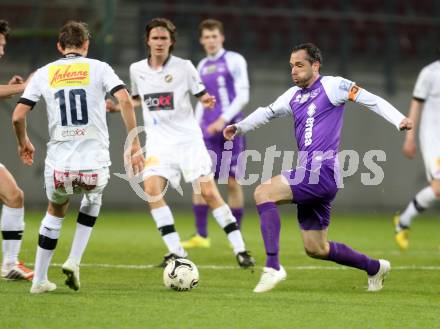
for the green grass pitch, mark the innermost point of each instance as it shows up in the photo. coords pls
(120, 290)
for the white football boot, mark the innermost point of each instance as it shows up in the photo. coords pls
(71, 270)
(42, 286)
(270, 278)
(375, 282)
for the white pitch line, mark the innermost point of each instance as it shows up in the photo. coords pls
(228, 267)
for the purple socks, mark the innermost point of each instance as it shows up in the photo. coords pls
(201, 214)
(344, 255)
(270, 225)
(238, 214)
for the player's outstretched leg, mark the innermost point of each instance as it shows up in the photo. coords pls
(342, 254)
(47, 240)
(12, 226)
(266, 196)
(423, 200)
(270, 224)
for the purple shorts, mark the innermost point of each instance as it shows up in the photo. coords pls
(228, 165)
(313, 195)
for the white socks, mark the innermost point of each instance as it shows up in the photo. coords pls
(227, 222)
(12, 226)
(80, 241)
(49, 233)
(165, 224)
(423, 200)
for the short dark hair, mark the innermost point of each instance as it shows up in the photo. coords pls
(313, 52)
(73, 35)
(165, 23)
(211, 24)
(4, 28)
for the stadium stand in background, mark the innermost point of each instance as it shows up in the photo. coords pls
(394, 30)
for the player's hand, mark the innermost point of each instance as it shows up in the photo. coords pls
(406, 124)
(111, 106)
(16, 80)
(229, 132)
(137, 160)
(216, 127)
(26, 152)
(208, 101)
(409, 148)
(134, 160)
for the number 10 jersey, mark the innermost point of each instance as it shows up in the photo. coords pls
(74, 89)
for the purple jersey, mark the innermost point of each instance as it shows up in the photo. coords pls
(318, 116)
(225, 77)
(318, 123)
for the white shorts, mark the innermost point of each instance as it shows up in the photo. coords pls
(191, 160)
(60, 185)
(432, 164)
(430, 149)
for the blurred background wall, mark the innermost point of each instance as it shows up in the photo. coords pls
(381, 45)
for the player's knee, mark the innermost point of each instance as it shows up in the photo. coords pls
(436, 189)
(152, 190)
(209, 195)
(15, 198)
(261, 194)
(90, 209)
(316, 251)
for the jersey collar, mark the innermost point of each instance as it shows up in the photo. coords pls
(72, 55)
(313, 86)
(217, 55)
(163, 65)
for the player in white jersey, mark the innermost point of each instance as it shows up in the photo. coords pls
(426, 96)
(78, 160)
(162, 84)
(224, 74)
(12, 218)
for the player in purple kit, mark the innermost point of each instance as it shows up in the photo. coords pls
(317, 105)
(224, 74)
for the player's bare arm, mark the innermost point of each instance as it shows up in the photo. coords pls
(112, 106)
(216, 126)
(25, 148)
(16, 85)
(127, 111)
(11, 89)
(409, 148)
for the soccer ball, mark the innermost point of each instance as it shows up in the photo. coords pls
(181, 275)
